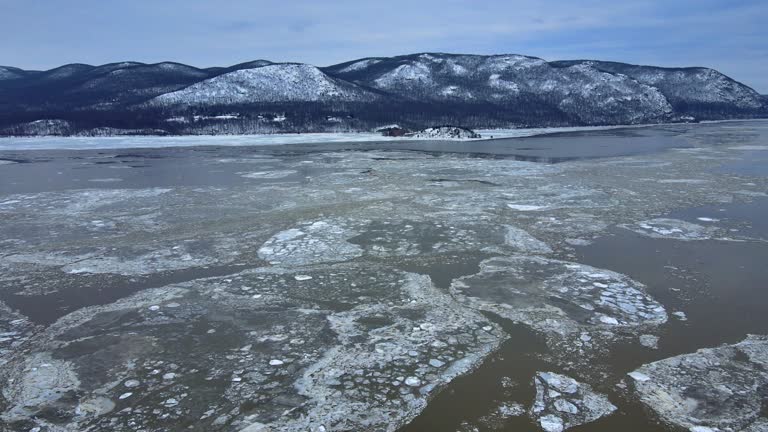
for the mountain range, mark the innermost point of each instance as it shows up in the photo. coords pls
(415, 91)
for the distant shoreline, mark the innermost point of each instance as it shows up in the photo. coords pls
(54, 142)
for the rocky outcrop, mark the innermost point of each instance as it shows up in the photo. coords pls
(447, 132)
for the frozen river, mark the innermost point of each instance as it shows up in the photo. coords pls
(537, 283)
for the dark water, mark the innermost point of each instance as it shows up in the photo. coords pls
(551, 148)
(754, 163)
(43, 170)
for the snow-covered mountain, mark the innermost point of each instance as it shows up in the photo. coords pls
(286, 82)
(246, 65)
(136, 82)
(416, 91)
(682, 85)
(584, 90)
(7, 73)
(80, 86)
(439, 76)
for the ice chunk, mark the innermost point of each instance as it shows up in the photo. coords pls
(524, 242)
(527, 289)
(639, 376)
(525, 207)
(436, 363)
(562, 402)
(649, 341)
(311, 243)
(412, 381)
(268, 174)
(551, 423)
(710, 389)
(672, 229)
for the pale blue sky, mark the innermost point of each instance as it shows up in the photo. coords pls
(728, 35)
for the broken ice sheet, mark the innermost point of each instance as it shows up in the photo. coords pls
(268, 174)
(500, 414)
(354, 347)
(385, 238)
(311, 243)
(578, 308)
(672, 229)
(387, 210)
(649, 341)
(524, 242)
(713, 389)
(86, 200)
(555, 196)
(15, 329)
(562, 402)
(336, 240)
(558, 296)
(135, 260)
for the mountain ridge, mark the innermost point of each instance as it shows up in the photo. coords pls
(418, 90)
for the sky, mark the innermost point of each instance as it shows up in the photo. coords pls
(728, 35)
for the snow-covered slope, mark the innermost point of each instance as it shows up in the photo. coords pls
(45, 127)
(581, 90)
(683, 85)
(135, 81)
(439, 76)
(81, 86)
(65, 72)
(247, 65)
(271, 83)
(7, 73)
(600, 94)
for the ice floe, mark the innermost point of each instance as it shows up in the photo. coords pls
(672, 229)
(562, 402)
(129, 262)
(311, 243)
(307, 350)
(525, 207)
(750, 148)
(524, 242)
(558, 296)
(713, 389)
(500, 414)
(649, 341)
(15, 329)
(385, 238)
(268, 174)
